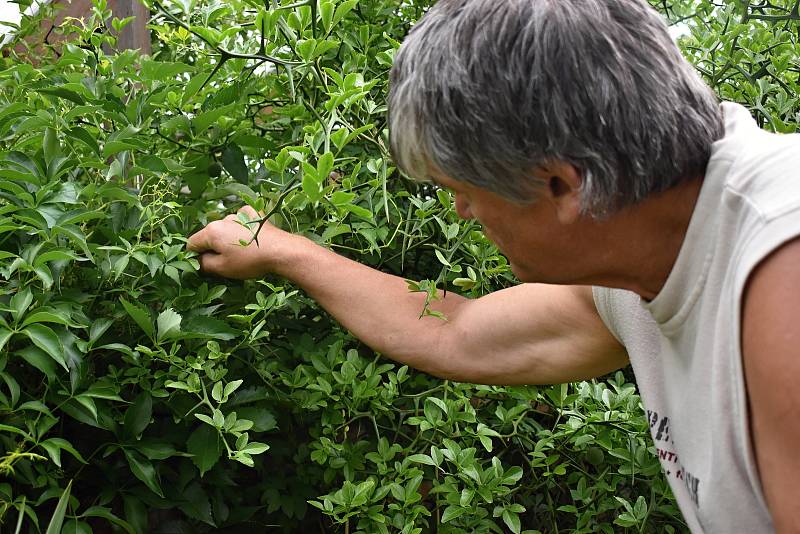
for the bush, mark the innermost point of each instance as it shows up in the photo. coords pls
(138, 395)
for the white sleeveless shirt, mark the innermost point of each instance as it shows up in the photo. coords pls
(684, 345)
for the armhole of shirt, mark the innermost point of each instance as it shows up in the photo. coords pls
(605, 308)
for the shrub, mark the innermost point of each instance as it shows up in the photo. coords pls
(140, 395)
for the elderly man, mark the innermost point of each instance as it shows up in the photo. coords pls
(653, 225)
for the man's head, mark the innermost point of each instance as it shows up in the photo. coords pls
(486, 91)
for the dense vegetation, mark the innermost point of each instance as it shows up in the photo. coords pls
(138, 395)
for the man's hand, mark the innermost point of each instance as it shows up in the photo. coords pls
(223, 253)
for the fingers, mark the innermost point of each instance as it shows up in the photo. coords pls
(200, 242)
(204, 240)
(210, 262)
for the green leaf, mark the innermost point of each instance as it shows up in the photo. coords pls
(144, 471)
(305, 48)
(98, 328)
(452, 512)
(169, 324)
(218, 420)
(60, 92)
(364, 213)
(155, 450)
(47, 340)
(163, 70)
(194, 85)
(441, 258)
(14, 430)
(45, 275)
(135, 512)
(324, 166)
(205, 446)
(40, 360)
(75, 217)
(103, 390)
(342, 10)
(311, 183)
(20, 302)
(337, 230)
(75, 235)
(421, 459)
(13, 387)
(140, 315)
(177, 385)
(47, 317)
(209, 327)
(124, 134)
(230, 387)
(255, 448)
(50, 147)
(105, 513)
(216, 392)
(85, 137)
(138, 414)
(512, 521)
(233, 162)
(61, 509)
(87, 402)
(201, 122)
(122, 140)
(342, 198)
(5, 335)
(640, 508)
(512, 475)
(326, 14)
(54, 446)
(203, 417)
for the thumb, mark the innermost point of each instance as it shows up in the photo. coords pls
(200, 241)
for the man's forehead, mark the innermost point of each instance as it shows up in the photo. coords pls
(439, 178)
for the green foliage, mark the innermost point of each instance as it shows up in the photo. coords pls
(139, 394)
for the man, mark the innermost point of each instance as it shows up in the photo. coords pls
(652, 224)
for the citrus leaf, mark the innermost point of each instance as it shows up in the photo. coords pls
(452, 512)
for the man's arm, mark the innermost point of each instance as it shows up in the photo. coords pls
(771, 354)
(528, 334)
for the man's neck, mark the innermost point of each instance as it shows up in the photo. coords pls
(643, 241)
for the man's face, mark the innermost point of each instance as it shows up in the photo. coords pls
(538, 246)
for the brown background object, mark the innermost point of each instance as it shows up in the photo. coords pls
(133, 36)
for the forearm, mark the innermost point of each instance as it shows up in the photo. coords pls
(530, 333)
(376, 307)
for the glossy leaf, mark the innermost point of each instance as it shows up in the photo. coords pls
(204, 444)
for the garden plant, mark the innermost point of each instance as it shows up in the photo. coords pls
(139, 395)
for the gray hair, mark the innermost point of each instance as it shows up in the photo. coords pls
(487, 90)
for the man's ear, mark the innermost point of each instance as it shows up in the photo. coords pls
(563, 183)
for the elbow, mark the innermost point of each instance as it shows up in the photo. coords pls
(461, 365)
